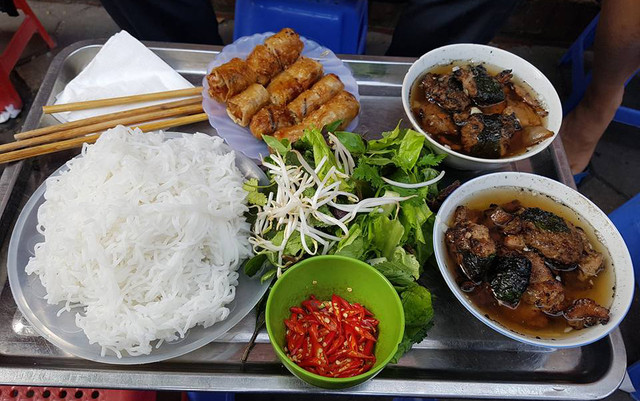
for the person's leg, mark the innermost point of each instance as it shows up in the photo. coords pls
(427, 24)
(616, 58)
(187, 21)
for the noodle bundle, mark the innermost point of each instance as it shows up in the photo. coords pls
(143, 238)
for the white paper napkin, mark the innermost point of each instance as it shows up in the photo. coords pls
(123, 66)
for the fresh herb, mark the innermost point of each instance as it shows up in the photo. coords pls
(336, 193)
(254, 197)
(418, 317)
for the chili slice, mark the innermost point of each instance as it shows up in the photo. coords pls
(331, 338)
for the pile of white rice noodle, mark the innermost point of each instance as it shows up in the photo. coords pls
(144, 236)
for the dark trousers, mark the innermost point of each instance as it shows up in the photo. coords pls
(185, 21)
(427, 24)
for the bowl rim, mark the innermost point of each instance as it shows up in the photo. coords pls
(292, 365)
(552, 103)
(440, 251)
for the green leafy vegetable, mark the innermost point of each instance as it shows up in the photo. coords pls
(385, 234)
(418, 316)
(366, 172)
(410, 149)
(394, 234)
(253, 265)
(281, 146)
(321, 149)
(352, 246)
(353, 142)
(254, 197)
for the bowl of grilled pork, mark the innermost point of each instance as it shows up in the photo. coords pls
(533, 259)
(482, 106)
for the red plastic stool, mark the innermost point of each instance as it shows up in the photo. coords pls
(11, 55)
(27, 393)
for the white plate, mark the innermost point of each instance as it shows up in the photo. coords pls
(62, 331)
(240, 138)
(585, 210)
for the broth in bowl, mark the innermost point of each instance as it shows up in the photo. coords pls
(530, 264)
(478, 110)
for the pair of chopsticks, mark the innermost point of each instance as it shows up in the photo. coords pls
(73, 134)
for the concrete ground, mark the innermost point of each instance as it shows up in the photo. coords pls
(615, 168)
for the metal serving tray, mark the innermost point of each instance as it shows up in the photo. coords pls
(460, 358)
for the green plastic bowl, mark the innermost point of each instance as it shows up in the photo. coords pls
(351, 279)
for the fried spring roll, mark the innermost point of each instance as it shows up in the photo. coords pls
(265, 64)
(317, 95)
(285, 45)
(229, 79)
(342, 106)
(244, 105)
(294, 80)
(270, 119)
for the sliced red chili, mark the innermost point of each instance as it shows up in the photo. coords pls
(331, 338)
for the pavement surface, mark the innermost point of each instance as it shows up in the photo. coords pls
(615, 167)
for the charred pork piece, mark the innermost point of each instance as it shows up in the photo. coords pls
(435, 203)
(460, 118)
(446, 91)
(510, 279)
(557, 240)
(470, 245)
(514, 242)
(591, 262)
(498, 216)
(488, 136)
(484, 89)
(544, 291)
(513, 206)
(435, 120)
(586, 312)
(504, 77)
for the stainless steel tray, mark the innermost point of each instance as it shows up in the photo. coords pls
(460, 358)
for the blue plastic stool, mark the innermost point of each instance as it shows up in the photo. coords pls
(580, 80)
(210, 396)
(634, 374)
(627, 220)
(340, 25)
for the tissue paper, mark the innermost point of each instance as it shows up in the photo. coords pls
(123, 67)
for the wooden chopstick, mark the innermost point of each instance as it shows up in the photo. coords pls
(106, 117)
(101, 126)
(77, 142)
(94, 104)
(175, 122)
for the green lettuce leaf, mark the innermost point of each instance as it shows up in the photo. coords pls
(418, 316)
(353, 245)
(353, 142)
(410, 149)
(385, 234)
(283, 147)
(313, 137)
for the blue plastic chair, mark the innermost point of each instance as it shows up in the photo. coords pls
(627, 220)
(339, 25)
(634, 374)
(580, 80)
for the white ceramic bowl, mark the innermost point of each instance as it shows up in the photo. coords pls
(587, 212)
(522, 71)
